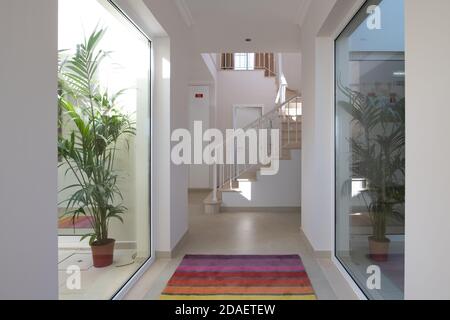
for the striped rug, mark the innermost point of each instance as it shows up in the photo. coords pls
(66, 222)
(240, 277)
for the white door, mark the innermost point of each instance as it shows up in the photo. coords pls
(199, 107)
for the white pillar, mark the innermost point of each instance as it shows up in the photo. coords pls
(28, 136)
(427, 236)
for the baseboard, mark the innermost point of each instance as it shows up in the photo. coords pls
(163, 254)
(318, 254)
(322, 254)
(74, 243)
(200, 190)
(348, 279)
(175, 251)
(260, 209)
(126, 245)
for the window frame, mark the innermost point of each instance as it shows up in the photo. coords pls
(356, 285)
(247, 57)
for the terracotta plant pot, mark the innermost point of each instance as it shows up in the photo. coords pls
(379, 250)
(103, 253)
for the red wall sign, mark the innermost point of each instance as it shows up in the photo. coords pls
(199, 95)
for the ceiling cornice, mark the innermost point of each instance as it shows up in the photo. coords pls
(304, 7)
(185, 12)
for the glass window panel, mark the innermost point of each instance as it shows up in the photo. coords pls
(244, 61)
(251, 61)
(370, 148)
(120, 187)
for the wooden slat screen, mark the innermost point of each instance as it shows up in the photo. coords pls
(263, 61)
(227, 61)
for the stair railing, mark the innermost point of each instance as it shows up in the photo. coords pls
(287, 114)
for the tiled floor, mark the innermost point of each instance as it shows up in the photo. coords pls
(392, 276)
(98, 284)
(244, 233)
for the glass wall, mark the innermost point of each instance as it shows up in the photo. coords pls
(104, 149)
(370, 149)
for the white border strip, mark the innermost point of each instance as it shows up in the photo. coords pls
(143, 269)
(352, 283)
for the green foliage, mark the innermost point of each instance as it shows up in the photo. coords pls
(378, 154)
(89, 150)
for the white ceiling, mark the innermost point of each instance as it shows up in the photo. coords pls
(223, 25)
(242, 11)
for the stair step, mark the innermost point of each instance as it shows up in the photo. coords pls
(248, 176)
(286, 118)
(285, 122)
(291, 124)
(291, 135)
(292, 138)
(292, 127)
(293, 146)
(292, 130)
(292, 91)
(212, 207)
(225, 190)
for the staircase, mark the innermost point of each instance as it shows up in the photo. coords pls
(228, 178)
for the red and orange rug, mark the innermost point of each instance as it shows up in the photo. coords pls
(240, 277)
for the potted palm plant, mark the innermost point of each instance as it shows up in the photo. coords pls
(378, 156)
(95, 128)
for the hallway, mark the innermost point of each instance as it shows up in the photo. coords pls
(243, 233)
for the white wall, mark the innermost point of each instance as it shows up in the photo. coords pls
(427, 150)
(167, 228)
(200, 73)
(173, 208)
(292, 65)
(281, 190)
(199, 110)
(317, 127)
(161, 147)
(28, 134)
(210, 62)
(171, 42)
(180, 70)
(243, 88)
(323, 23)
